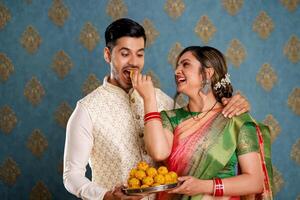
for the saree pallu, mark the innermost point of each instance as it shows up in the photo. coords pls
(204, 153)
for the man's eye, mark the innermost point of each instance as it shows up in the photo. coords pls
(124, 54)
(140, 55)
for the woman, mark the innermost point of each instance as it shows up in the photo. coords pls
(216, 157)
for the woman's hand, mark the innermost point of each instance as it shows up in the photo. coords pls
(143, 84)
(191, 186)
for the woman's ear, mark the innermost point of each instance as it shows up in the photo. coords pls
(107, 55)
(209, 72)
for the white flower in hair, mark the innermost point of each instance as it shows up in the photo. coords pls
(223, 82)
(217, 85)
(227, 80)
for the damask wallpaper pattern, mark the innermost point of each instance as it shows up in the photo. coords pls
(51, 56)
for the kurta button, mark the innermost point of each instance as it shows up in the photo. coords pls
(138, 117)
(141, 135)
(132, 100)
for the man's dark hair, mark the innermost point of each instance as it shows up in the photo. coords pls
(121, 28)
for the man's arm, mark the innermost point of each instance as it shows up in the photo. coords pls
(78, 146)
(235, 105)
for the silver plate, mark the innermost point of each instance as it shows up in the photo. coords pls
(148, 190)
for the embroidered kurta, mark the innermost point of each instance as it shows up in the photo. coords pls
(106, 130)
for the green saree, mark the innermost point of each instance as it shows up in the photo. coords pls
(213, 149)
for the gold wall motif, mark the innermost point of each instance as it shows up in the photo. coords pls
(8, 119)
(9, 172)
(116, 9)
(266, 77)
(291, 5)
(34, 91)
(6, 67)
(174, 8)
(173, 53)
(37, 143)
(58, 12)
(62, 64)
(236, 53)
(150, 31)
(273, 125)
(294, 100)
(31, 39)
(5, 15)
(263, 25)
(62, 114)
(40, 192)
(91, 83)
(278, 181)
(292, 49)
(295, 153)
(89, 36)
(205, 29)
(232, 6)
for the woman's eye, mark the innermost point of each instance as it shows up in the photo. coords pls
(185, 64)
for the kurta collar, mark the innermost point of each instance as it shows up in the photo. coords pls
(112, 88)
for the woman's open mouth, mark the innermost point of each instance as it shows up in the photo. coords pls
(180, 80)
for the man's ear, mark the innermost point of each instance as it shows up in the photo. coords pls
(107, 55)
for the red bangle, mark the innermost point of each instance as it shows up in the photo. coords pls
(152, 117)
(152, 120)
(218, 187)
(151, 114)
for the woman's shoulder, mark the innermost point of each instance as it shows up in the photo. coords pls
(243, 119)
(247, 119)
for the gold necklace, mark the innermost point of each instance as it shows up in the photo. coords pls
(198, 119)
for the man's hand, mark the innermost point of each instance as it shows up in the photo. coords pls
(235, 105)
(117, 194)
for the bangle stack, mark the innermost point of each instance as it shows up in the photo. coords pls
(218, 187)
(152, 116)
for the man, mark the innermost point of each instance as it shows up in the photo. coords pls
(106, 127)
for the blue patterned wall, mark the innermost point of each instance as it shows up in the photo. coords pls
(51, 56)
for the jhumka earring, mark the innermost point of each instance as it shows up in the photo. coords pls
(206, 88)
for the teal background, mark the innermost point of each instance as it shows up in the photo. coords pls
(181, 29)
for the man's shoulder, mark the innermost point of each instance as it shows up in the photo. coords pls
(162, 95)
(92, 96)
(163, 100)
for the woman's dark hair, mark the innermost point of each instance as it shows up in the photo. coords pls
(121, 28)
(211, 57)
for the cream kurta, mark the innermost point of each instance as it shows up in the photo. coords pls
(106, 129)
